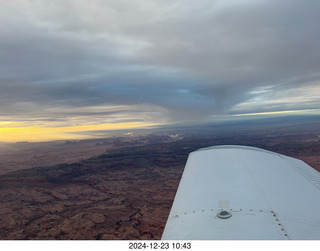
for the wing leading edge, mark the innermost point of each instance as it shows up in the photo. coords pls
(259, 194)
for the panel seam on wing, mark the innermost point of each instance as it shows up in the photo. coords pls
(255, 181)
(277, 223)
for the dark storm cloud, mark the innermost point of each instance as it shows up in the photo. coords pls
(166, 60)
(249, 46)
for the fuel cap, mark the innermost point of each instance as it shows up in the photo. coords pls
(224, 214)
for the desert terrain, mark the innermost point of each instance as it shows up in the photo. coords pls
(122, 187)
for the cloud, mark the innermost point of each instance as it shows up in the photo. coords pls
(161, 61)
(281, 98)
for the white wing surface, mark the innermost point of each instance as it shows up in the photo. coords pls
(239, 192)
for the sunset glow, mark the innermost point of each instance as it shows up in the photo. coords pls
(36, 133)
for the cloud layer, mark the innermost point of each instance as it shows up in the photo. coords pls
(77, 62)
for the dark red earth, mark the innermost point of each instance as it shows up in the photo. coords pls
(122, 187)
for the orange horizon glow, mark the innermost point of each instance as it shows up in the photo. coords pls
(19, 132)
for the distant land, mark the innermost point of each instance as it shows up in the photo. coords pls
(122, 187)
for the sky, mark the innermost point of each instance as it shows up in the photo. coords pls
(69, 68)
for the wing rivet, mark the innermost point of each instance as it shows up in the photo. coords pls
(224, 214)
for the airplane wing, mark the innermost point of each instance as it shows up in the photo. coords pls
(239, 192)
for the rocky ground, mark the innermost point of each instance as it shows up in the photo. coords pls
(119, 196)
(24, 155)
(125, 191)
